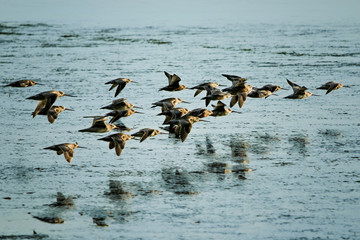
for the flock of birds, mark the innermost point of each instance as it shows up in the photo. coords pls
(179, 120)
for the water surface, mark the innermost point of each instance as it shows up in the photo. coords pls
(283, 169)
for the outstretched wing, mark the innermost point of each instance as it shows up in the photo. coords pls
(175, 79)
(234, 100)
(68, 152)
(241, 99)
(169, 76)
(146, 134)
(113, 86)
(231, 77)
(119, 144)
(121, 86)
(98, 122)
(236, 80)
(296, 88)
(185, 130)
(332, 86)
(198, 92)
(40, 108)
(117, 116)
(50, 101)
(52, 116)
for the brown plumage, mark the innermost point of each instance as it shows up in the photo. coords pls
(239, 90)
(199, 112)
(65, 148)
(119, 105)
(330, 86)
(205, 87)
(46, 99)
(117, 141)
(145, 133)
(116, 115)
(22, 83)
(173, 114)
(221, 110)
(120, 83)
(257, 93)
(215, 94)
(99, 125)
(53, 112)
(299, 91)
(182, 126)
(270, 87)
(167, 103)
(174, 83)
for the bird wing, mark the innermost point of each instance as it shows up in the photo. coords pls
(167, 106)
(119, 144)
(117, 116)
(296, 88)
(234, 100)
(185, 130)
(111, 144)
(236, 80)
(332, 86)
(299, 91)
(231, 77)
(121, 86)
(241, 99)
(220, 106)
(119, 148)
(174, 81)
(45, 105)
(68, 152)
(169, 76)
(52, 116)
(50, 101)
(54, 148)
(113, 86)
(198, 92)
(238, 83)
(99, 123)
(146, 134)
(40, 108)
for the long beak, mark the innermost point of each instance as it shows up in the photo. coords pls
(203, 120)
(236, 112)
(69, 109)
(315, 95)
(220, 85)
(69, 95)
(82, 147)
(184, 102)
(39, 84)
(140, 112)
(345, 86)
(134, 81)
(138, 107)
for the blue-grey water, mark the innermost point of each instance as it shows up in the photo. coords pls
(282, 169)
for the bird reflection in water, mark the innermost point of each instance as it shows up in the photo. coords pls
(239, 149)
(178, 180)
(299, 144)
(209, 147)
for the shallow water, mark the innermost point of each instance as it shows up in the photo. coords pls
(284, 169)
